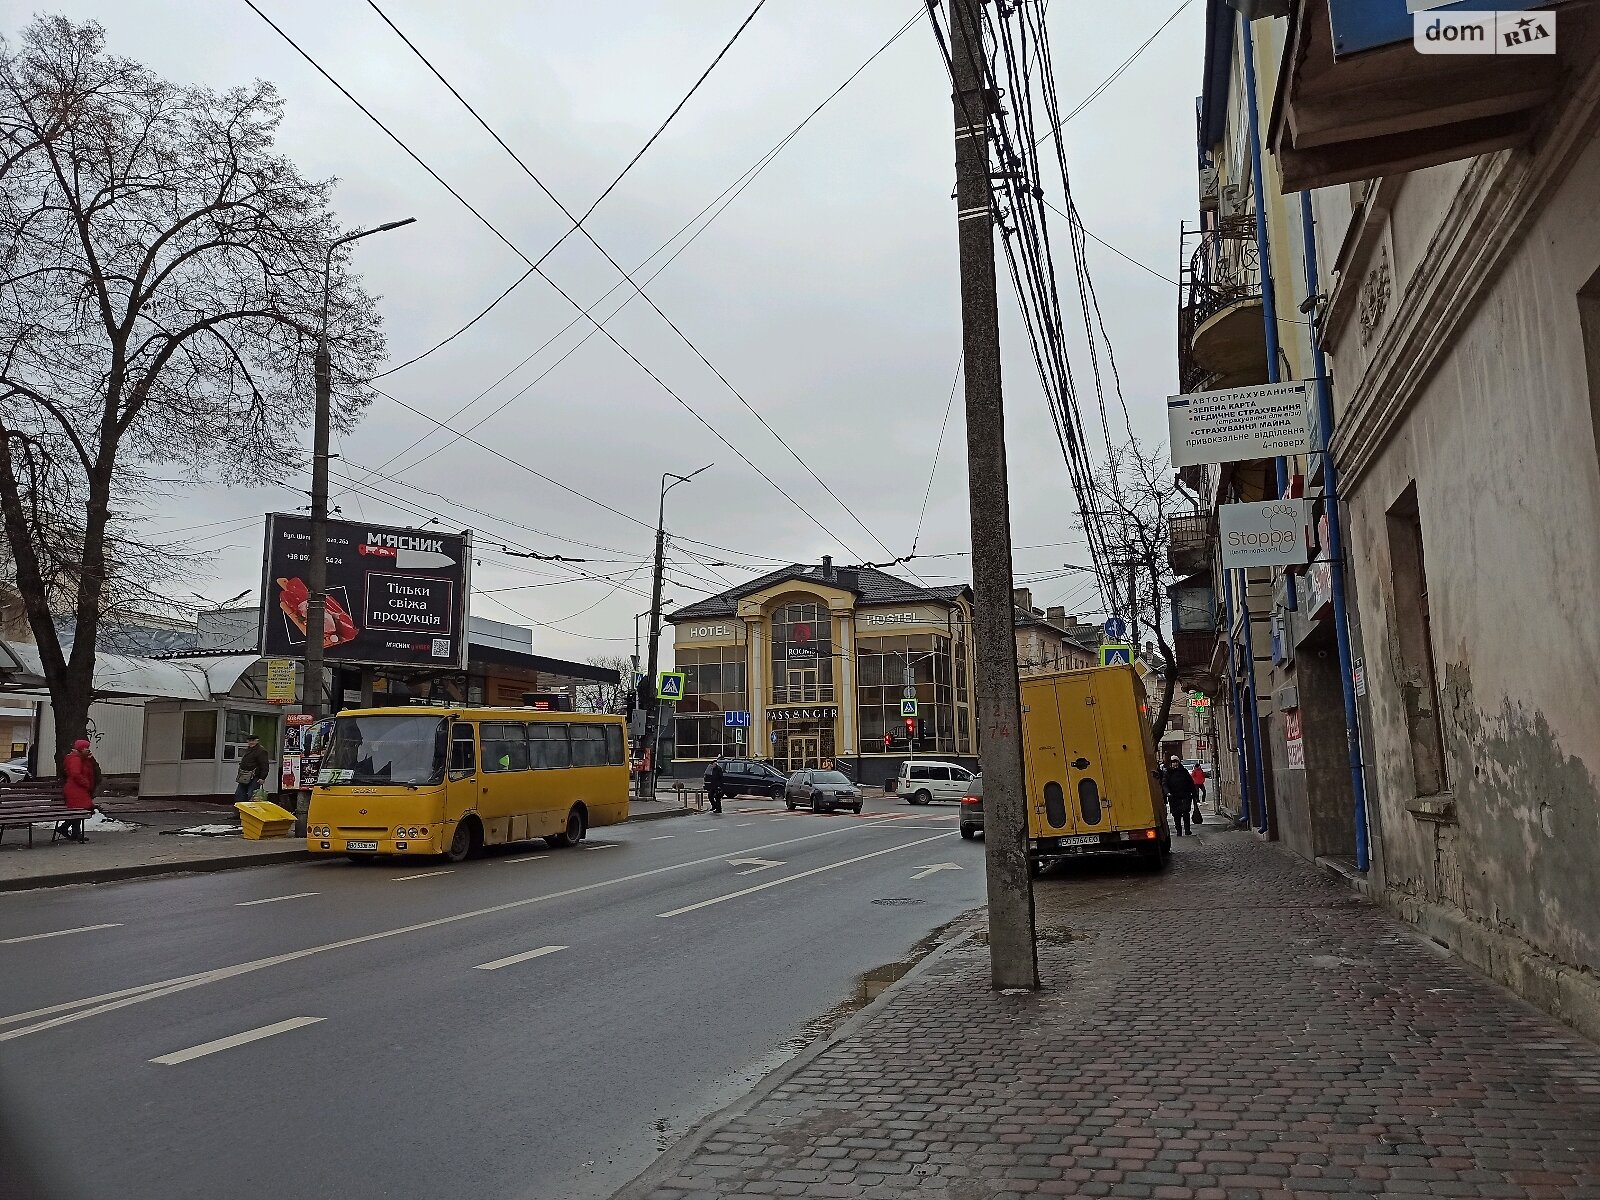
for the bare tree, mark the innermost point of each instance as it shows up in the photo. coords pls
(607, 697)
(160, 295)
(1135, 498)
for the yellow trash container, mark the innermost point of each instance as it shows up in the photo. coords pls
(263, 819)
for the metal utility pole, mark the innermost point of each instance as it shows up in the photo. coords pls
(1013, 957)
(317, 567)
(653, 711)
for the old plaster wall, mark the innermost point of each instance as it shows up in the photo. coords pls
(1500, 443)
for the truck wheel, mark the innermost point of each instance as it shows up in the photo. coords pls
(967, 833)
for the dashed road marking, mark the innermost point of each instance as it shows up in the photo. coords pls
(423, 875)
(517, 958)
(35, 937)
(237, 1039)
(275, 899)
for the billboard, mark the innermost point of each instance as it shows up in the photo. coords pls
(1367, 24)
(1265, 533)
(1236, 424)
(395, 597)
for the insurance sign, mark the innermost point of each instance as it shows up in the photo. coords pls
(395, 597)
(1237, 424)
(1266, 533)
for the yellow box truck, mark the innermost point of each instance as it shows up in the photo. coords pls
(1091, 772)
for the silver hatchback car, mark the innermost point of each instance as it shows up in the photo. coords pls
(823, 791)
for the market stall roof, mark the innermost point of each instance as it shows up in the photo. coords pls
(198, 678)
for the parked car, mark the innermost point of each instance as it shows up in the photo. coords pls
(972, 808)
(824, 791)
(14, 771)
(922, 781)
(751, 777)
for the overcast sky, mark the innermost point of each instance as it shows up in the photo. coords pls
(826, 293)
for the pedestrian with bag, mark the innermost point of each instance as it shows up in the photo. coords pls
(714, 786)
(1199, 777)
(254, 764)
(1180, 789)
(82, 777)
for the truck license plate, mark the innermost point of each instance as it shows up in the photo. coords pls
(1089, 840)
(361, 845)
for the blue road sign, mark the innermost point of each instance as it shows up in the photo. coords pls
(1114, 656)
(908, 708)
(1116, 628)
(736, 720)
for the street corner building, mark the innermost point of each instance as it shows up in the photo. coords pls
(1412, 239)
(820, 660)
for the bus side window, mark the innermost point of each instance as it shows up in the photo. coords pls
(548, 743)
(588, 745)
(614, 754)
(463, 753)
(504, 746)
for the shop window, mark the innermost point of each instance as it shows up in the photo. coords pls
(547, 746)
(199, 734)
(240, 726)
(1419, 684)
(714, 683)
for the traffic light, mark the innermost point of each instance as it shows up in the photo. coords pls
(911, 727)
(888, 740)
(924, 730)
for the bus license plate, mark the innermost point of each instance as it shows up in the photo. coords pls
(361, 845)
(1090, 840)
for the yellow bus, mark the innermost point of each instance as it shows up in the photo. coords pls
(451, 781)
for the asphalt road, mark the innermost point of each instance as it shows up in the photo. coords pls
(537, 1023)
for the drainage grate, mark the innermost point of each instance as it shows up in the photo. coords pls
(899, 900)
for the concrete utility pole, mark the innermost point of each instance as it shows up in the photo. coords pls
(653, 712)
(1013, 958)
(317, 567)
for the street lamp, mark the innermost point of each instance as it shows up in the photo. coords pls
(653, 713)
(317, 567)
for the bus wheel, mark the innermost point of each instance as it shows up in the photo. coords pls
(461, 842)
(573, 833)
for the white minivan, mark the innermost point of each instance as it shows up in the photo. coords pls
(923, 781)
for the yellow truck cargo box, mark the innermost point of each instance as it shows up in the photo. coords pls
(1091, 772)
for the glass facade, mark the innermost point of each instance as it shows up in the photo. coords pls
(714, 683)
(802, 653)
(882, 664)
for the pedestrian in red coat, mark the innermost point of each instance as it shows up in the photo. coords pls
(82, 775)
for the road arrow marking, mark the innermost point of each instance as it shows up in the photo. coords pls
(921, 871)
(755, 864)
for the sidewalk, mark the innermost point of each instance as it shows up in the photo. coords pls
(1238, 1027)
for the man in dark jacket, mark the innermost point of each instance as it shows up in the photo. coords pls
(254, 764)
(1180, 789)
(714, 786)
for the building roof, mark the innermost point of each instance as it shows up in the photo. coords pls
(868, 584)
(1026, 617)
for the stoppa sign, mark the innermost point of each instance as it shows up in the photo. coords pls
(1265, 533)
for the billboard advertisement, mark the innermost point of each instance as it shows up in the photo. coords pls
(396, 597)
(1266, 533)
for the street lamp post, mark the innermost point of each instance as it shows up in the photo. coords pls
(317, 566)
(653, 713)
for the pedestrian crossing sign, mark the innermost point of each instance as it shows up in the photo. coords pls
(669, 685)
(908, 708)
(1114, 654)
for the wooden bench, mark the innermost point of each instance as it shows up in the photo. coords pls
(23, 805)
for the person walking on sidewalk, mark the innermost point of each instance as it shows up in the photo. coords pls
(81, 775)
(1178, 785)
(714, 786)
(1199, 777)
(253, 766)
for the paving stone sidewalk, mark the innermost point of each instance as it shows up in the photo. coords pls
(1238, 1027)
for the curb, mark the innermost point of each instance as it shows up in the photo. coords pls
(149, 870)
(685, 1147)
(657, 816)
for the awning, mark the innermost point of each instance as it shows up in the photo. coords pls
(123, 675)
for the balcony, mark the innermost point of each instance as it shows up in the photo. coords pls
(1222, 342)
(1196, 655)
(1190, 541)
(812, 693)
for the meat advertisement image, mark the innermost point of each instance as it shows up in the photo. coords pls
(393, 596)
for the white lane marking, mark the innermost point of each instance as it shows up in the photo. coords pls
(516, 958)
(744, 824)
(755, 864)
(925, 871)
(275, 899)
(661, 837)
(93, 1006)
(423, 875)
(708, 831)
(34, 937)
(761, 887)
(237, 1039)
(525, 858)
(600, 846)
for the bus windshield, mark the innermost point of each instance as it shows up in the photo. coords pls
(386, 749)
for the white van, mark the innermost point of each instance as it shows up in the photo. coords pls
(924, 781)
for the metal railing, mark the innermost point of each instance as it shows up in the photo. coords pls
(1223, 269)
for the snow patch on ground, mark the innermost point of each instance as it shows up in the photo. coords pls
(206, 831)
(99, 823)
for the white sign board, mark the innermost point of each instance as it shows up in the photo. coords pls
(1236, 424)
(1265, 533)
